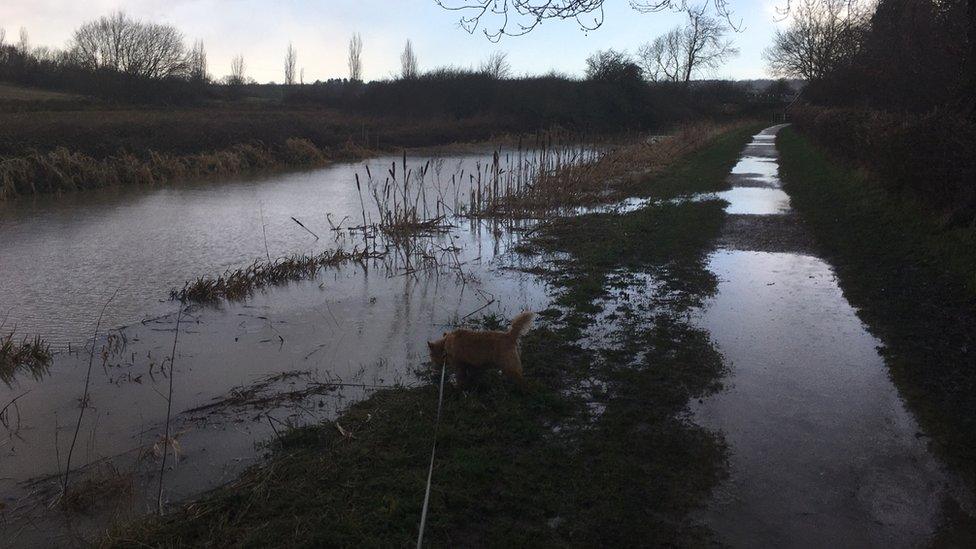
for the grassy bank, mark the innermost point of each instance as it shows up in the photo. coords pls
(594, 450)
(913, 280)
(71, 150)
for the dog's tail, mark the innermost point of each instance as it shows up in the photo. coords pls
(521, 324)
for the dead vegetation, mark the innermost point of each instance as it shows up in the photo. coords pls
(614, 174)
(267, 393)
(30, 355)
(240, 283)
(104, 485)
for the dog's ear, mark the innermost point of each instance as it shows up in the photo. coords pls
(430, 346)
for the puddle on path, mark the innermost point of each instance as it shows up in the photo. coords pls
(755, 201)
(823, 451)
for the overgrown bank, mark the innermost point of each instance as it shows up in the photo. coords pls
(593, 451)
(64, 151)
(913, 279)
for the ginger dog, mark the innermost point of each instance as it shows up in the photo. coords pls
(471, 353)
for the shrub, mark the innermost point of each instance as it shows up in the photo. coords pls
(927, 156)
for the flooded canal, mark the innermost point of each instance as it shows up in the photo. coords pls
(289, 355)
(823, 451)
(60, 258)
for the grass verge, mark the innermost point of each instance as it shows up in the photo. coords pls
(912, 279)
(594, 450)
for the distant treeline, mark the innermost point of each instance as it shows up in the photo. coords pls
(535, 101)
(122, 60)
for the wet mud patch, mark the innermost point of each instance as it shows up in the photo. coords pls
(766, 233)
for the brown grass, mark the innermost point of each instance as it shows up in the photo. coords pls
(241, 283)
(574, 176)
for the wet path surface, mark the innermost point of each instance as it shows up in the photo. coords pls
(823, 451)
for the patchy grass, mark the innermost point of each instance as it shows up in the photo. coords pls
(32, 356)
(593, 451)
(913, 280)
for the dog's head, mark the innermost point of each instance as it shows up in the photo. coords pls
(436, 349)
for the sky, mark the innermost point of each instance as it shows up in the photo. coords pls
(261, 30)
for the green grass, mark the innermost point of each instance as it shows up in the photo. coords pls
(912, 279)
(593, 451)
(709, 170)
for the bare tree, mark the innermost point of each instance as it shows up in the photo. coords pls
(689, 50)
(518, 17)
(356, 58)
(291, 59)
(238, 70)
(497, 66)
(3, 36)
(408, 62)
(705, 45)
(197, 62)
(119, 43)
(661, 58)
(823, 36)
(24, 43)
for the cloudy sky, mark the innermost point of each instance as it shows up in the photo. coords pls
(260, 30)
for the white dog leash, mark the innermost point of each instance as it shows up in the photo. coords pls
(433, 451)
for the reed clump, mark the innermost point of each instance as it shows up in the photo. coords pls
(31, 355)
(241, 283)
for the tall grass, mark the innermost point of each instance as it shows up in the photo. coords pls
(558, 171)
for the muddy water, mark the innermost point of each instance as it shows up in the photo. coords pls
(823, 451)
(290, 355)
